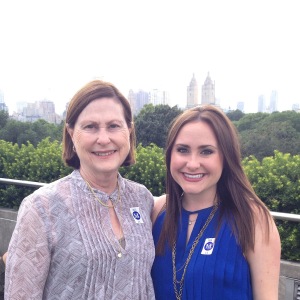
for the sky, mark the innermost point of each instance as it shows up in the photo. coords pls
(50, 48)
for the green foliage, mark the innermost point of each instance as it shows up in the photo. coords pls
(276, 180)
(22, 132)
(235, 115)
(149, 169)
(270, 144)
(262, 134)
(152, 124)
(250, 121)
(3, 118)
(41, 164)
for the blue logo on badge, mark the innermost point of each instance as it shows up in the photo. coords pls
(136, 215)
(208, 246)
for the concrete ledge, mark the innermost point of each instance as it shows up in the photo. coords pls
(289, 271)
(8, 219)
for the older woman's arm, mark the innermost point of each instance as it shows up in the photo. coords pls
(28, 256)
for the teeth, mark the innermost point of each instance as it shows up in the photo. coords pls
(104, 153)
(193, 176)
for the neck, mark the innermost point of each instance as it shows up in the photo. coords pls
(194, 203)
(103, 182)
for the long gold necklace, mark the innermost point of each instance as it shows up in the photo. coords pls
(119, 251)
(178, 294)
(99, 200)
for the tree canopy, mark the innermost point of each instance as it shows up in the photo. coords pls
(152, 124)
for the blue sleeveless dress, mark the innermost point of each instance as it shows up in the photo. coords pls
(217, 270)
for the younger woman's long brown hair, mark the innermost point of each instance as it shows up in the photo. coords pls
(234, 191)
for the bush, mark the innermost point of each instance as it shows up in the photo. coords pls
(149, 169)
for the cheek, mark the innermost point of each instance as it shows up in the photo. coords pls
(125, 138)
(77, 138)
(175, 162)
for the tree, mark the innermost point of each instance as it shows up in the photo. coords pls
(152, 124)
(235, 115)
(149, 169)
(3, 118)
(250, 121)
(276, 180)
(262, 134)
(23, 132)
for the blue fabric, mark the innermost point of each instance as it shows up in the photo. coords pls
(223, 274)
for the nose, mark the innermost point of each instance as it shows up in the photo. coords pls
(193, 162)
(103, 137)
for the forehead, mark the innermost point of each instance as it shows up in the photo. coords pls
(196, 132)
(103, 108)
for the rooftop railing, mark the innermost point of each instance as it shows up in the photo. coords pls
(34, 184)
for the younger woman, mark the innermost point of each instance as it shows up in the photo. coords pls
(215, 239)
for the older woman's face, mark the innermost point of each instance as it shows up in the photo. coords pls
(101, 137)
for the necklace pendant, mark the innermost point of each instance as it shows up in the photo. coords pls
(119, 255)
(190, 222)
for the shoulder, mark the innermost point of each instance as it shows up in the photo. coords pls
(159, 203)
(45, 195)
(134, 187)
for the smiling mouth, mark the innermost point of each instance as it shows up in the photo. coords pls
(193, 176)
(104, 153)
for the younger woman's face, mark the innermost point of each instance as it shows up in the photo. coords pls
(196, 160)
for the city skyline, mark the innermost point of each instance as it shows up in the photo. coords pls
(50, 49)
(267, 101)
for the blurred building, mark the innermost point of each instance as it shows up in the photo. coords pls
(3, 106)
(31, 112)
(208, 92)
(192, 93)
(139, 99)
(273, 102)
(296, 107)
(157, 97)
(261, 104)
(241, 106)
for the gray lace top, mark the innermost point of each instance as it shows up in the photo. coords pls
(63, 246)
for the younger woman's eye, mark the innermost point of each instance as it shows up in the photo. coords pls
(182, 150)
(207, 151)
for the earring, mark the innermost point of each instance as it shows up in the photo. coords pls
(73, 148)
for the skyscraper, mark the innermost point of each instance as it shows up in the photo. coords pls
(273, 101)
(3, 106)
(240, 106)
(138, 100)
(192, 93)
(208, 92)
(261, 107)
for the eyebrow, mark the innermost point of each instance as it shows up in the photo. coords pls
(200, 147)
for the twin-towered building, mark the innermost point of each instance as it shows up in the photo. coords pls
(139, 99)
(207, 95)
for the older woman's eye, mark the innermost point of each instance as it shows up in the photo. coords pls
(114, 127)
(90, 126)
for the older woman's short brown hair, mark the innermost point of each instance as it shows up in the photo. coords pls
(93, 90)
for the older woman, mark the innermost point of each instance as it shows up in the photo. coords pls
(87, 235)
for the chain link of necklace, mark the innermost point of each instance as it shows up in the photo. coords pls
(119, 252)
(99, 200)
(178, 294)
